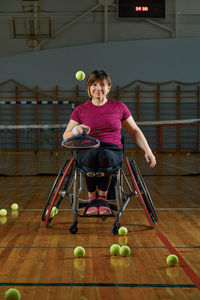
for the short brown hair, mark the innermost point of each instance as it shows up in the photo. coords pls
(97, 75)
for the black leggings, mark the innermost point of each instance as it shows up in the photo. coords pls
(98, 160)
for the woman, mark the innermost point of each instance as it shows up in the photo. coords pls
(103, 118)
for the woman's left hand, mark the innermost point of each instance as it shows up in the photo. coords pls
(150, 158)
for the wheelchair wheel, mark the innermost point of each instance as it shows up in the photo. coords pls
(115, 228)
(140, 193)
(58, 190)
(73, 229)
(143, 189)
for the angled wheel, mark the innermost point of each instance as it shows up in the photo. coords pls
(143, 189)
(141, 193)
(58, 190)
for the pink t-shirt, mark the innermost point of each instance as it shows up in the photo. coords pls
(104, 121)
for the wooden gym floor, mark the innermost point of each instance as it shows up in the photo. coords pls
(39, 261)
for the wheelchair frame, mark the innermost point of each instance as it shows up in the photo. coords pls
(69, 183)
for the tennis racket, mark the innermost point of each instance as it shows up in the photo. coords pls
(80, 142)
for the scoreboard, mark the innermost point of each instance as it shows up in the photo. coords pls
(141, 8)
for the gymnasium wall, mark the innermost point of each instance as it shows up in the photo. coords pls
(151, 60)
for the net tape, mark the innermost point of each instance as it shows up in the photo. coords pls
(60, 126)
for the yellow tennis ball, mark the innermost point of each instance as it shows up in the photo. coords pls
(124, 251)
(80, 75)
(79, 251)
(172, 260)
(14, 206)
(12, 294)
(123, 231)
(114, 249)
(3, 212)
(54, 211)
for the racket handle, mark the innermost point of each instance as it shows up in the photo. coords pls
(85, 130)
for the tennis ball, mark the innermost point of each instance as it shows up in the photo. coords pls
(80, 75)
(54, 210)
(172, 260)
(123, 231)
(3, 212)
(14, 206)
(114, 249)
(79, 251)
(124, 251)
(12, 294)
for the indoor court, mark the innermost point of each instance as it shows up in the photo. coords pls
(145, 50)
(39, 261)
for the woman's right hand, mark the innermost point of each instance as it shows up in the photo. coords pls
(74, 128)
(81, 127)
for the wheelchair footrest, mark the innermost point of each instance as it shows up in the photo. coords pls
(97, 216)
(97, 203)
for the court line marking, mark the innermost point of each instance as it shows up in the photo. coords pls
(94, 247)
(184, 265)
(157, 208)
(85, 284)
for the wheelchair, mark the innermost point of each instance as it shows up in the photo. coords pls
(126, 183)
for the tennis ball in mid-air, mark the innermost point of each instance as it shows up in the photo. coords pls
(124, 251)
(14, 206)
(114, 249)
(3, 212)
(79, 251)
(12, 294)
(123, 231)
(80, 75)
(172, 260)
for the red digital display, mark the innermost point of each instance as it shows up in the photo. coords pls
(141, 8)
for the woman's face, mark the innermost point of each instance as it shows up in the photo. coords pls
(99, 89)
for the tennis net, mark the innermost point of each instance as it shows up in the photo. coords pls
(27, 150)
